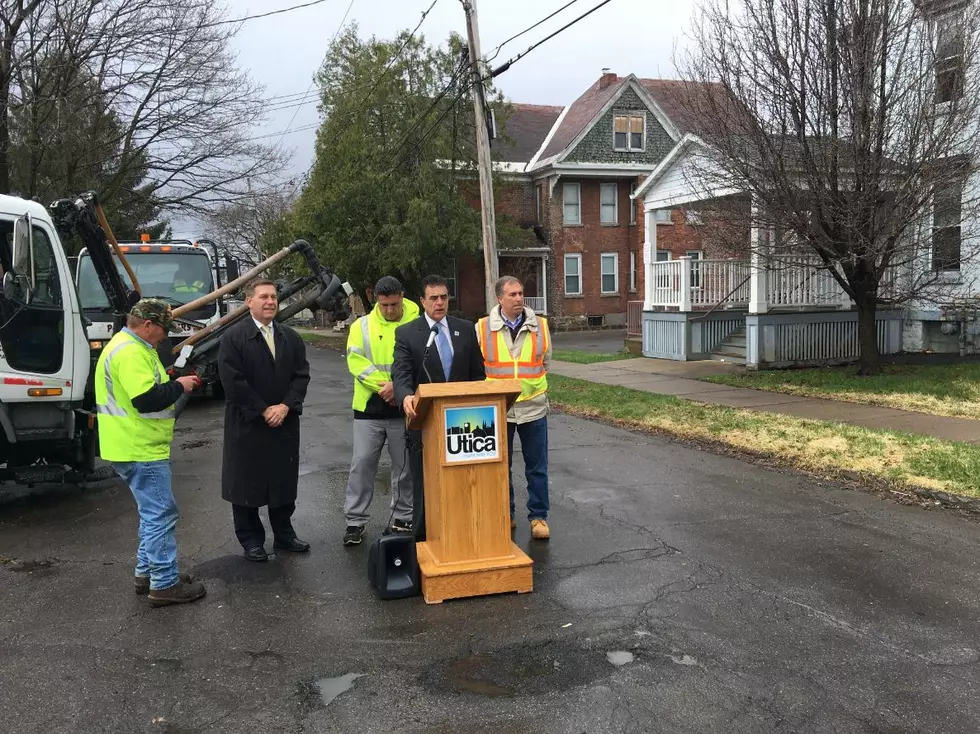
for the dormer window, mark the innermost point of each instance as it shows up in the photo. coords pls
(629, 131)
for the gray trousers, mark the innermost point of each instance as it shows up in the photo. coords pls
(370, 436)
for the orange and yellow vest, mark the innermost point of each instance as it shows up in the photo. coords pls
(528, 367)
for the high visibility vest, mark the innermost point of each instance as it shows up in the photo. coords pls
(182, 286)
(371, 351)
(127, 368)
(528, 367)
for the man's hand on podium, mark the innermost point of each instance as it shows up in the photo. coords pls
(408, 405)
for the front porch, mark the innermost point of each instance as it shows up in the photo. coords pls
(776, 306)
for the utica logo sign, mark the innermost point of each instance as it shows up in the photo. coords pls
(471, 434)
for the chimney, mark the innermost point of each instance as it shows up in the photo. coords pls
(607, 79)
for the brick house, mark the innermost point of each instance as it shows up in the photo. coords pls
(567, 178)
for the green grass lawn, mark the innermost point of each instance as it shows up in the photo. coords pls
(579, 357)
(831, 449)
(951, 390)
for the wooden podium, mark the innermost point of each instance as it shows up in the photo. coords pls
(468, 549)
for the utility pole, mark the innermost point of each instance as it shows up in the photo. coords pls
(490, 265)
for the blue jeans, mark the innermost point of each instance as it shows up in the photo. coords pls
(534, 447)
(156, 557)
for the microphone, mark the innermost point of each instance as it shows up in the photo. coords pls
(433, 333)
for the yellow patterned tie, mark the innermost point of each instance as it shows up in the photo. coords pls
(267, 333)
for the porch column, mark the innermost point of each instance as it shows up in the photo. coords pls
(544, 284)
(649, 257)
(757, 276)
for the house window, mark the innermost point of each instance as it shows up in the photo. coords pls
(629, 132)
(632, 272)
(950, 69)
(451, 281)
(947, 216)
(610, 273)
(573, 275)
(662, 216)
(695, 256)
(609, 204)
(538, 190)
(572, 199)
(632, 202)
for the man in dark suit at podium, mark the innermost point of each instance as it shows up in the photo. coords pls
(433, 348)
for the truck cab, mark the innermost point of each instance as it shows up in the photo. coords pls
(177, 271)
(44, 352)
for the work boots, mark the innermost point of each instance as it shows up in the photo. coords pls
(182, 592)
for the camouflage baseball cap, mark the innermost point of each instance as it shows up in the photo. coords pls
(155, 310)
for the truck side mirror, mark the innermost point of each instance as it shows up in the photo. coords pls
(23, 251)
(231, 269)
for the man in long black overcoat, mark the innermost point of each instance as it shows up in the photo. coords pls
(265, 373)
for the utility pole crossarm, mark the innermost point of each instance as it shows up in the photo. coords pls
(485, 166)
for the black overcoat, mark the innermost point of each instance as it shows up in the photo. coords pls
(261, 464)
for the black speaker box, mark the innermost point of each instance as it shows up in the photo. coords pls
(393, 568)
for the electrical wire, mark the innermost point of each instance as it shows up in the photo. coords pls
(313, 82)
(262, 15)
(507, 64)
(496, 52)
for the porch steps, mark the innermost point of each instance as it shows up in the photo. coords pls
(732, 349)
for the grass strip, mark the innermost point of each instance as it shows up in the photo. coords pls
(579, 357)
(950, 390)
(825, 448)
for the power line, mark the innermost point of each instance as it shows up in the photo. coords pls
(262, 15)
(313, 82)
(506, 65)
(496, 51)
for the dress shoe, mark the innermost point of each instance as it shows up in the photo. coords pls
(256, 554)
(293, 546)
(142, 583)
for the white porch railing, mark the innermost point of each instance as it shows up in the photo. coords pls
(793, 282)
(707, 282)
(535, 303)
(799, 281)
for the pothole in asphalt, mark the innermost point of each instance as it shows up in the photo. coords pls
(18, 565)
(525, 670)
(198, 444)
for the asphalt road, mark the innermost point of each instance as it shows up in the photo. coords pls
(682, 592)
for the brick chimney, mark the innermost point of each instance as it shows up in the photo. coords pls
(607, 79)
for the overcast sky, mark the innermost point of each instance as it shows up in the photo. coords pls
(283, 52)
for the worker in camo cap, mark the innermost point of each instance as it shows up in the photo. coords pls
(135, 404)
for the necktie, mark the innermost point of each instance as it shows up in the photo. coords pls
(267, 333)
(445, 350)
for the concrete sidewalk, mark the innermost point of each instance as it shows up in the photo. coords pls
(667, 377)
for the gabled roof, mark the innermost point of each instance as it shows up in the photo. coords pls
(524, 131)
(669, 100)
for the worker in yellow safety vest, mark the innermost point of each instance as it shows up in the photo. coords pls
(378, 419)
(135, 400)
(516, 344)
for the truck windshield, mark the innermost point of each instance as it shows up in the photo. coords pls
(176, 277)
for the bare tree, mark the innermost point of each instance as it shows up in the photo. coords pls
(182, 113)
(240, 226)
(853, 126)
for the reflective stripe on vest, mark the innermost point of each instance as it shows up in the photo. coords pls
(112, 407)
(529, 370)
(366, 351)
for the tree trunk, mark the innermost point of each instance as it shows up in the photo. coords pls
(869, 362)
